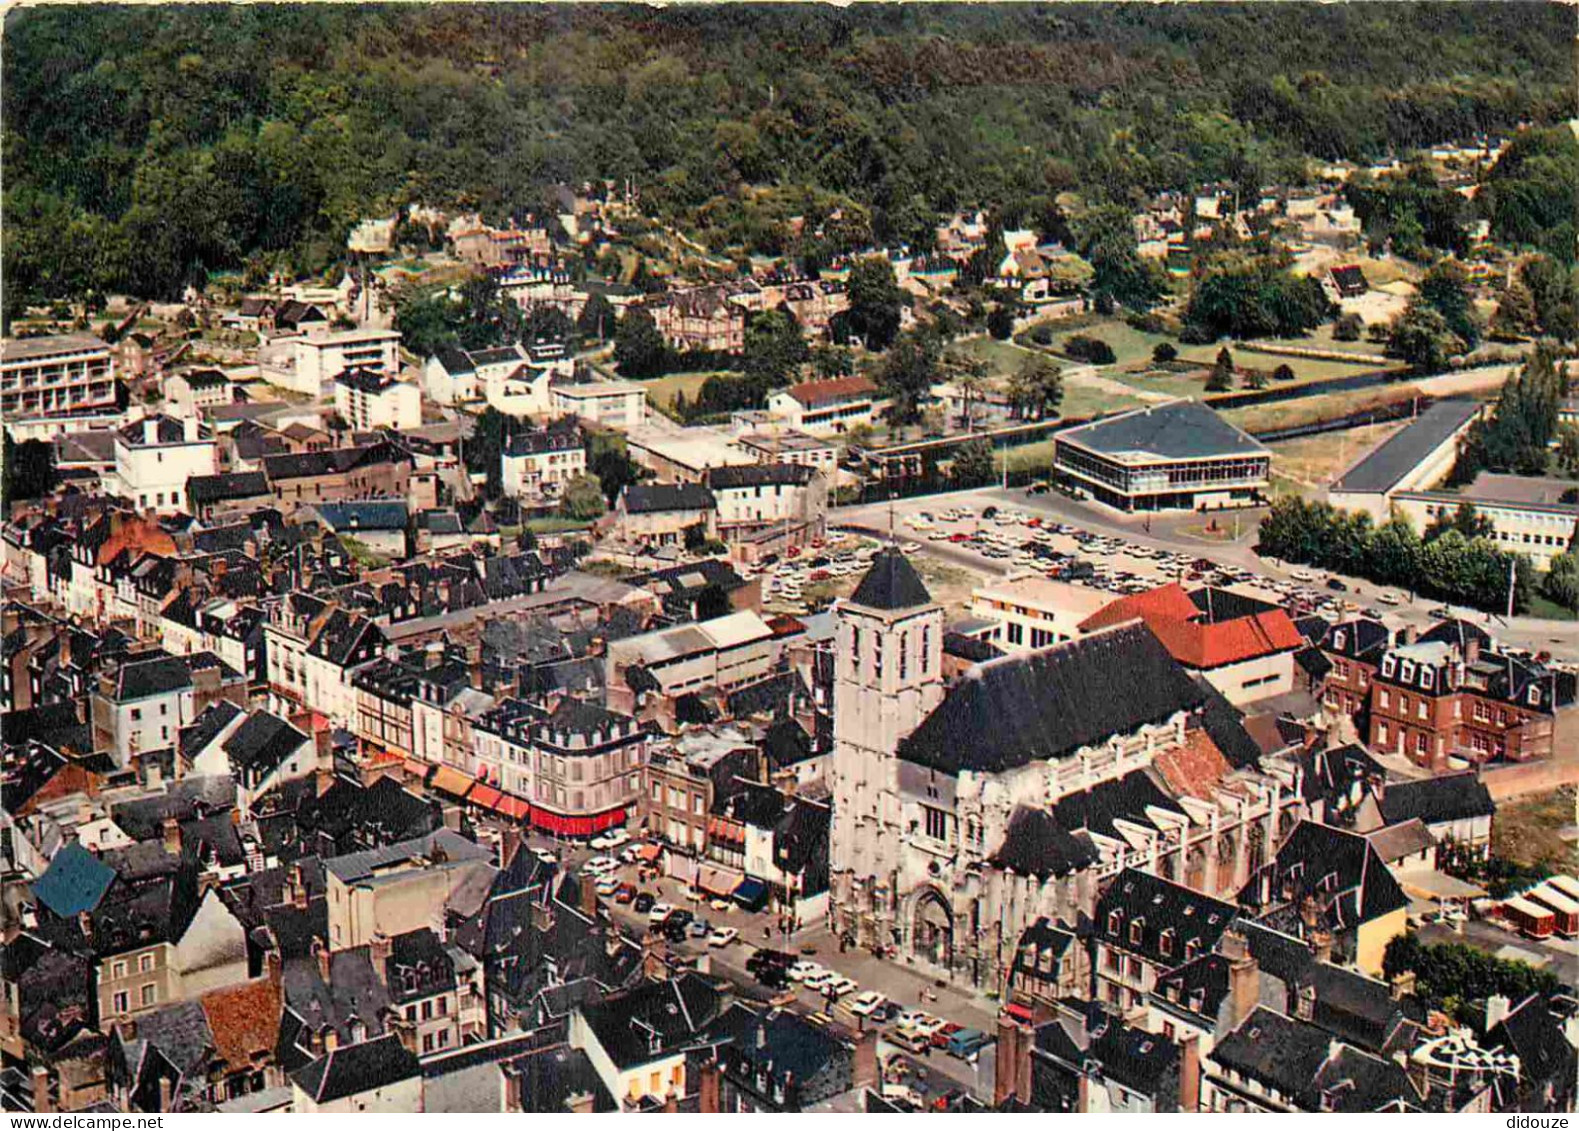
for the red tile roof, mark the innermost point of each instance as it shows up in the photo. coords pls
(813, 393)
(1194, 768)
(1173, 618)
(244, 1019)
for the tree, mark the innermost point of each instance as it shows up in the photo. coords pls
(582, 499)
(1092, 351)
(1255, 378)
(1037, 388)
(969, 375)
(1164, 352)
(639, 349)
(1465, 519)
(1247, 295)
(1560, 586)
(832, 361)
(1515, 316)
(1000, 321)
(609, 459)
(1567, 454)
(972, 463)
(29, 471)
(485, 446)
(597, 318)
(774, 349)
(1284, 372)
(875, 302)
(1422, 337)
(1446, 288)
(1348, 328)
(908, 373)
(1222, 378)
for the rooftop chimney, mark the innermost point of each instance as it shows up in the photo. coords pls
(1244, 985)
(379, 949)
(708, 1087)
(1190, 1073)
(1472, 650)
(1497, 1006)
(172, 836)
(150, 430)
(321, 953)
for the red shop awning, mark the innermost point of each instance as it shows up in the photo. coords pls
(485, 795)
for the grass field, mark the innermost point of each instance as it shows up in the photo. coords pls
(1527, 830)
(661, 391)
(1325, 406)
(1318, 460)
(1541, 607)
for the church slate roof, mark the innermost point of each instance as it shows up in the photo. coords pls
(891, 583)
(1045, 705)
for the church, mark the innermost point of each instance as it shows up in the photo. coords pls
(966, 811)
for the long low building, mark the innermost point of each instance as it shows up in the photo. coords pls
(1175, 456)
(1415, 459)
(1528, 514)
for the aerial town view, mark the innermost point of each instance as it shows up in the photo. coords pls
(895, 558)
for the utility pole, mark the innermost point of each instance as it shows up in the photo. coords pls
(1512, 570)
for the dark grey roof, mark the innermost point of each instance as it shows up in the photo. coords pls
(654, 1019)
(1298, 1059)
(1035, 844)
(891, 583)
(1340, 870)
(363, 514)
(207, 726)
(545, 440)
(262, 743)
(1451, 797)
(1401, 452)
(1169, 916)
(158, 675)
(1177, 430)
(759, 475)
(650, 498)
(352, 1069)
(1045, 705)
(454, 361)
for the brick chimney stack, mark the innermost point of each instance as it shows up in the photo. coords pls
(172, 836)
(1190, 1073)
(379, 949)
(1244, 977)
(709, 1087)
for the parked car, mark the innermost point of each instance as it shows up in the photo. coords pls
(625, 893)
(643, 903)
(839, 986)
(680, 916)
(607, 886)
(966, 1043)
(911, 1041)
(658, 912)
(1336, 585)
(940, 1039)
(722, 936)
(699, 928)
(720, 904)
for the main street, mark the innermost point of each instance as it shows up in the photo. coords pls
(1172, 532)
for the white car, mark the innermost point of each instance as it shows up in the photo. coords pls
(868, 1003)
(839, 986)
(803, 970)
(819, 980)
(1389, 598)
(608, 886)
(600, 864)
(722, 936)
(659, 912)
(720, 905)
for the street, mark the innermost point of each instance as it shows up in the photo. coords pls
(900, 983)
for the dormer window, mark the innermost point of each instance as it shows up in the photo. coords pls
(1165, 943)
(1388, 666)
(1192, 947)
(1115, 922)
(1407, 673)
(1135, 930)
(1427, 678)
(1339, 638)
(1535, 696)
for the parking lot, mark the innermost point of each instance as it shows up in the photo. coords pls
(811, 989)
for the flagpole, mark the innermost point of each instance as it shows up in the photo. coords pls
(1512, 566)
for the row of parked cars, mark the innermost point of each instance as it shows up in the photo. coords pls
(913, 1030)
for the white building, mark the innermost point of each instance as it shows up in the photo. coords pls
(535, 464)
(192, 390)
(142, 706)
(320, 357)
(369, 399)
(788, 446)
(767, 494)
(55, 375)
(1032, 611)
(821, 407)
(154, 458)
(616, 404)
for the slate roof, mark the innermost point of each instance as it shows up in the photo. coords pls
(1140, 1061)
(262, 743)
(215, 718)
(1170, 916)
(75, 881)
(1535, 1034)
(332, 461)
(1036, 844)
(1041, 942)
(656, 498)
(543, 441)
(759, 475)
(1044, 705)
(159, 675)
(551, 1076)
(891, 582)
(1358, 639)
(352, 1069)
(366, 514)
(1339, 869)
(1297, 1059)
(206, 490)
(654, 1019)
(1183, 429)
(1451, 797)
(1402, 452)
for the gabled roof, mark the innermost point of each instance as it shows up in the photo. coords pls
(244, 1019)
(1451, 797)
(1301, 1061)
(759, 475)
(1157, 918)
(352, 1069)
(158, 675)
(1036, 844)
(1340, 870)
(1195, 642)
(262, 743)
(1403, 451)
(653, 498)
(811, 394)
(364, 514)
(1040, 706)
(75, 881)
(891, 583)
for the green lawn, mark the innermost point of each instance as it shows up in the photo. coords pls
(661, 391)
(1541, 607)
(554, 524)
(1082, 401)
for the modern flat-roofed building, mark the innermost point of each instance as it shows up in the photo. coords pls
(617, 404)
(370, 398)
(1176, 456)
(1032, 611)
(321, 357)
(1530, 515)
(1415, 459)
(55, 375)
(789, 446)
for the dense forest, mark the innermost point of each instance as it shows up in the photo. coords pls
(147, 145)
